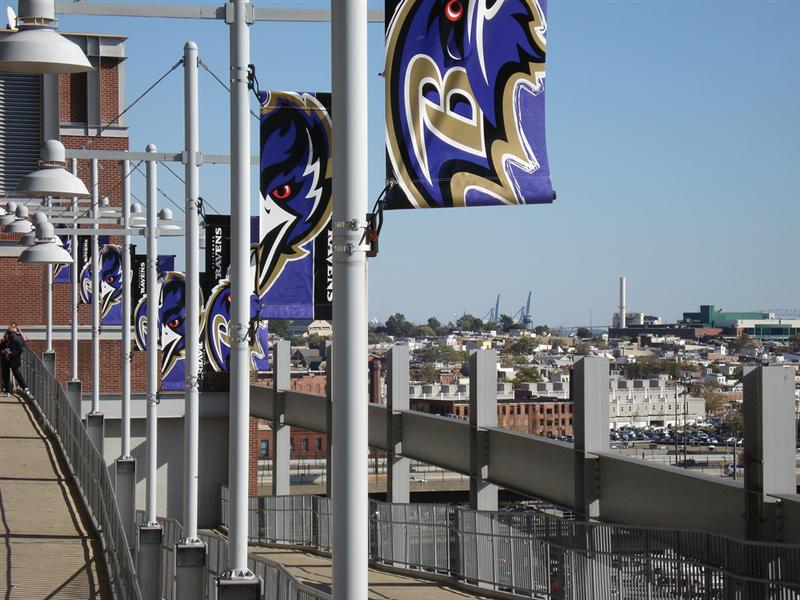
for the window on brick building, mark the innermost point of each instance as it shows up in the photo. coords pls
(318, 443)
(291, 444)
(519, 409)
(263, 449)
(541, 421)
(304, 444)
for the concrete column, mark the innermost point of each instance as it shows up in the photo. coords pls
(74, 395)
(769, 447)
(148, 561)
(282, 381)
(125, 492)
(328, 418)
(482, 414)
(397, 466)
(190, 561)
(49, 361)
(589, 391)
(95, 427)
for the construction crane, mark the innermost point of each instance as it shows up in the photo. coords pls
(524, 315)
(493, 314)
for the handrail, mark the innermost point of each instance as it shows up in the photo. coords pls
(88, 470)
(534, 553)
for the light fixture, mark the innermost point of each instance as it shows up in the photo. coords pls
(36, 47)
(45, 249)
(165, 221)
(8, 214)
(136, 209)
(52, 177)
(20, 224)
(27, 240)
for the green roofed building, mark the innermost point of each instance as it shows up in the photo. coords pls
(758, 324)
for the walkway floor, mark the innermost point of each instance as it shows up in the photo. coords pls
(47, 550)
(315, 571)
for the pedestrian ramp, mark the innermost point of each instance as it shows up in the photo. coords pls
(49, 549)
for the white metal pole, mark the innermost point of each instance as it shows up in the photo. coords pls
(74, 275)
(350, 458)
(126, 312)
(152, 338)
(95, 292)
(192, 323)
(48, 281)
(240, 288)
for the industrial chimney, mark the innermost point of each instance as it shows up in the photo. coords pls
(622, 308)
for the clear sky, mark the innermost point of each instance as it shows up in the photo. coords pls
(674, 145)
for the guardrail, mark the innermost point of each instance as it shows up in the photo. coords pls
(89, 471)
(276, 581)
(535, 554)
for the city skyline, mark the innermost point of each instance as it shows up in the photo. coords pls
(678, 161)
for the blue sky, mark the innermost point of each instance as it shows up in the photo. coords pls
(674, 145)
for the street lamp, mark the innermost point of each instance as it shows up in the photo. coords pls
(51, 178)
(8, 215)
(45, 250)
(20, 224)
(36, 47)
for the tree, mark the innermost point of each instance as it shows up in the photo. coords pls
(425, 331)
(467, 322)
(398, 326)
(437, 326)
(713, 396)
(426, 373)
(583, 333)
(507, 323)
(279, 328)
(794, 343)
(523, 346)
(541, 330)
(527, 374)
(434, 354)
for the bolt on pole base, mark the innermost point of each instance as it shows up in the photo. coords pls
(148, 561)
(95, 427)
(74, 393)
(238, 588)
(49, 361)
(125, 491)
(190, 560)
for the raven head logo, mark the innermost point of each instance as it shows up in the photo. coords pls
(216, 333)
(110, 276)
(460, 79)
(172, 316)
(296, 173)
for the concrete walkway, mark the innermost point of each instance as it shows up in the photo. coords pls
(315, 571)
(47, 550)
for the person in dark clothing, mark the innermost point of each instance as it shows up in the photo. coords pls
(11, 350)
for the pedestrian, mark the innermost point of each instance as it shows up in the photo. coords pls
(11, 349)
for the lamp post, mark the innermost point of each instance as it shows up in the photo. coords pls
(74, 386)
(95, 424)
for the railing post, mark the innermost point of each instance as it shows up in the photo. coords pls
(282, 381)
(49, 361)
(148, 561)
(769, 447)
(482, 414)
(397, 466)
(74, 394)
(125, 492)
(95, 427)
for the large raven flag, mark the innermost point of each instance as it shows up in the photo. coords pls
(465, 103)
(294, 267)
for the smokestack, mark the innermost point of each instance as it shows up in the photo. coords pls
(622, 302)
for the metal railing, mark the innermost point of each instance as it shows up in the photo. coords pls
(538, 555)
(276, 582)
(88, 470)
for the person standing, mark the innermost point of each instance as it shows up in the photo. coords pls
(11, 347)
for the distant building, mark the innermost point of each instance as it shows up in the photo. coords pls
(636, 319)
(652, 403)
(759, 324)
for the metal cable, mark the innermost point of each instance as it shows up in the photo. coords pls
(222, 83)
(179, 178)
(161, 191)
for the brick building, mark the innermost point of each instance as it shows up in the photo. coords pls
(81, 110)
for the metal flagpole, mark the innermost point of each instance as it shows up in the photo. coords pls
(74, 384)
(192, 328)
(240, 291)
(152, 338)
(190, 551)
(94, 420)
(350, 458)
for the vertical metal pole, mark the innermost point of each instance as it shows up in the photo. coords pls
(192, 242)
(350, 458)
(94, 420)
(125, 480)
(239, 581)
(95, 292)
(48, 356)
(153, 336)
(190, 553)
(74, 384)
(126, 312)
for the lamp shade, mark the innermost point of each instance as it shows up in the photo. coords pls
(45, 252)
(40, 50)
(27, 240)
(18, 226)
(51, 181)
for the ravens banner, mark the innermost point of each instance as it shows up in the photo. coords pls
(294, 256)
(465, 103)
